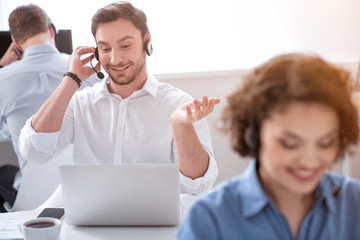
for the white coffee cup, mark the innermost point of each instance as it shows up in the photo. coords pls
(42, 228)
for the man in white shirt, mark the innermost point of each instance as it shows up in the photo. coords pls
(129, 117)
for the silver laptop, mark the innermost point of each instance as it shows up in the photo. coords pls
(129, 194)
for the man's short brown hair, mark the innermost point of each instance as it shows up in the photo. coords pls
(117, 10)
(27, 21)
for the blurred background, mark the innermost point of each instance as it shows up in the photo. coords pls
(212, 35)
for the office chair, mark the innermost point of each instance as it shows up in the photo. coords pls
(39, 181)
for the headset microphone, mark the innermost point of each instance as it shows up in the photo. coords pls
(99, 74)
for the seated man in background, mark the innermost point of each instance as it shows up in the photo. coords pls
(125, 118)
(295, 116)
(27, 83)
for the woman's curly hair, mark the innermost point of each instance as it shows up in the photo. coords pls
(277, 83)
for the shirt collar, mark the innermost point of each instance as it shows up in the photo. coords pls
(151, 86)
(40, 48)
(255, 198)
(326, 191)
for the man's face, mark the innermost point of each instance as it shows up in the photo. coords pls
(121, 50)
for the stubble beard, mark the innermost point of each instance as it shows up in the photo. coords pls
(119, 80)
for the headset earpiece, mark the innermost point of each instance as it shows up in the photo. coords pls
(97, 54)
(148, 42)
(251, 137)
(148, 47)
(17, 51)
(55, 30)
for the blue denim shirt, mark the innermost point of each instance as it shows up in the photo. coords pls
(240, 209)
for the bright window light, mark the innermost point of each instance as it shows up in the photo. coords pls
(209, 35)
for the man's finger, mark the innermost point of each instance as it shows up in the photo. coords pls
(86, 60)
(83, 50)
(197, 110)
(205, 105)
(211, 107)
(189, 113)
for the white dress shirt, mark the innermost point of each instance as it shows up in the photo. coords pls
(107, 129)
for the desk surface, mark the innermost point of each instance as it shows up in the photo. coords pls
(111, 233)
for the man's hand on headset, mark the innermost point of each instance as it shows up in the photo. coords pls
(79, 66)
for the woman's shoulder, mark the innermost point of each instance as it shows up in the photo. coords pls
(343, 185)
(226, 196)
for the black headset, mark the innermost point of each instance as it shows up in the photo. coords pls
(147, 47)
(96, 54)
(252, 135)
(17, 51)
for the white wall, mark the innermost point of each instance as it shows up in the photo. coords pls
(213, 84)
(212, 35)
(216, 84)
(220, 84)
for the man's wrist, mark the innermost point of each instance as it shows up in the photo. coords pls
(74, 77)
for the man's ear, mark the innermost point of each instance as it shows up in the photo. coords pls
(18, 48)
(148, 48)
(147, 37)
(52, 31)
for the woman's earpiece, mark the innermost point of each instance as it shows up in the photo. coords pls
(250, 138)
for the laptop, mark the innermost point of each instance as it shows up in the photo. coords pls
(127, 194)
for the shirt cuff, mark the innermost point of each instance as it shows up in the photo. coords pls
(43, 142)
(201, 184)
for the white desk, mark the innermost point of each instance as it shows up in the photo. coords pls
(112, 233)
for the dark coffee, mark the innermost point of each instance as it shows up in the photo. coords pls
(40, 224)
